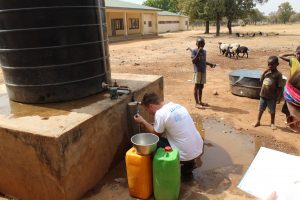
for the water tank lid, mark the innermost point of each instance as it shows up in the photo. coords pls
(168, 148)
(248, 73)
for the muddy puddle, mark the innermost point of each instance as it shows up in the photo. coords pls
(224, 145)
(227, 154)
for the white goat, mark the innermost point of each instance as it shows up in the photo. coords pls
(223, 47)
(231, 50)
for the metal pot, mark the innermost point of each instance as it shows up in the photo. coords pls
(245, 83)
(145, 143)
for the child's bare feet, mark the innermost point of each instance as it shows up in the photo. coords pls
(199, 106)
(257, 124)
(204, 104)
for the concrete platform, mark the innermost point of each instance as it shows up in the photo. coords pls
(60, 151)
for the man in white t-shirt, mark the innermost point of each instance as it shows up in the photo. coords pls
(174, 121)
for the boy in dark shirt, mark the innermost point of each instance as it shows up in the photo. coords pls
(199, 62)
(270, 90)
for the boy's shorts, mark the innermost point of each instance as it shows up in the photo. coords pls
(199, 77)
(270, 103)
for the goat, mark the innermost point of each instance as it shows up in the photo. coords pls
(231, 50)
(223, 47)
(242, 49)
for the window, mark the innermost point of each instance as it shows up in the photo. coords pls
(145, 22)
(134, 23)
(168, 22)
(186, 23)
(118, 24)
(150, 23)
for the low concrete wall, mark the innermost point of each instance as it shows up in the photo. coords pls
(60, 151)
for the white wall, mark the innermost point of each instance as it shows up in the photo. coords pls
(146, 19)
(168, 27)
(184, 23)
(172, 27)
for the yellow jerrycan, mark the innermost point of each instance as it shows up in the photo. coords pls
(139, 174)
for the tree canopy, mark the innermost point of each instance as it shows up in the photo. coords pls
(255, 15)
(168, 5)
(285, 11)
(231, 10)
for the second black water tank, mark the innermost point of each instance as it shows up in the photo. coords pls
(53, 50)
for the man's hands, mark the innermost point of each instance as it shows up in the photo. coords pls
(149, 127)
(139, 119)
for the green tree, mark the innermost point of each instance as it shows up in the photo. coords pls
(295, 18)
(195, 10)
(209, 10)
(239, 9)
(284, 12)
(231, 13)
(168, 5)
(216, 10)
(256, 16)
(273, 18)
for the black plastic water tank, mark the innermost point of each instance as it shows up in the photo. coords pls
(53, 50)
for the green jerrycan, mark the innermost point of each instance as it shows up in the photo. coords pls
(166, 174)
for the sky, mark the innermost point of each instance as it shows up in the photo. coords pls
(266, 8)
(272, 6)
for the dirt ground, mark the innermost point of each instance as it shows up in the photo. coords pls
(167, 56)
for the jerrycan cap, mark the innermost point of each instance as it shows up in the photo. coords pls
(168, 148)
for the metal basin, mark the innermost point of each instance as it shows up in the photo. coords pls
(145, 143)
(246, 83)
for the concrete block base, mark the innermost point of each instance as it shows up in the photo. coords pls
(60, 151)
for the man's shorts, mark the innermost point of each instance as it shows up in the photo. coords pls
(199, 77)
(270, 103)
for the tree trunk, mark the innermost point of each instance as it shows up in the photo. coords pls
(206, 27)
(218, 25)
(229, 23)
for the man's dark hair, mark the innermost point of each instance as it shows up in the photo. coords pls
(150, 98)
(273, 59)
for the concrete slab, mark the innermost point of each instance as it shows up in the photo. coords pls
(60, 151)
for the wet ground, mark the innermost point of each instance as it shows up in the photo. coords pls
(227, 154)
